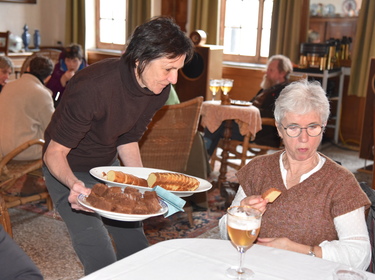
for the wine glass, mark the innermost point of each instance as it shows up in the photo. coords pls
(215, 85)
(226, 85)
(243, 223)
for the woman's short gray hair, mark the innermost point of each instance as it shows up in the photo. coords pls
(302, 97)
(6, 63)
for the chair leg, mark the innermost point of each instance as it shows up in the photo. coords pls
(213, 159)
(189, 211)
(4, 217)
(245, 147)
(49, 203)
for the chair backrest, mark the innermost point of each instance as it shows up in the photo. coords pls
(295, 76)
(4, 42)
(53, 54)
(167, 142)
(11, 170)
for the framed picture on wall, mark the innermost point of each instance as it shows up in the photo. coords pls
(20, 1)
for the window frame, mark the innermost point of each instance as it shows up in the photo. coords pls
(98, 43)
(243, 58)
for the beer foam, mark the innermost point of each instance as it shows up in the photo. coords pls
(243, 224)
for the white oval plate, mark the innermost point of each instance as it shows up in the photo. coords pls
(122, 216)
(143, 172)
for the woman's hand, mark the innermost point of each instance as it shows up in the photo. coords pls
(255, 201)
(78, 188)
(287, 244)
(280, 243)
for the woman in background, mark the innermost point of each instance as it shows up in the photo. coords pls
(71, 60)
(6, 69)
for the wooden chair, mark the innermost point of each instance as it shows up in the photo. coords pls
(53, 54)
(4, 42)
(11, 170)
(4, 217)
(167, 142)
(295, 76)
(242, 151)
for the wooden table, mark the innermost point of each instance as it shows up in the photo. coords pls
(247, 117)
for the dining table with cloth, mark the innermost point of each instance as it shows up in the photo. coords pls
(198, 258)
(213, 114)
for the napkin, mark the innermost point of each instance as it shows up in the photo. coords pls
(175, 203)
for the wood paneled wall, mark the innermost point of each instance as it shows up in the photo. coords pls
(94, 56)
(351, 122)
(246, 81)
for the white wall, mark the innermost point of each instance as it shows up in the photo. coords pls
(47, 15)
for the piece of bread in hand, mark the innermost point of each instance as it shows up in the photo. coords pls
(271, 194)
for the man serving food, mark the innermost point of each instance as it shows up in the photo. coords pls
(105, 111)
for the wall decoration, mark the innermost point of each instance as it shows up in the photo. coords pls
(20, 1)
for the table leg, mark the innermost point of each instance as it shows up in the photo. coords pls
(225, 154)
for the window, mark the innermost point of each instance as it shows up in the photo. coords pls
(111, 24)
(245, 30)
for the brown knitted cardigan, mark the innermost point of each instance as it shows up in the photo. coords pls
(305, 212)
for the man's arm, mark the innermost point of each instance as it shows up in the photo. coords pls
(55, 159)
(130, 154)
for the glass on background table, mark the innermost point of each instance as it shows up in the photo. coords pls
(215, 85)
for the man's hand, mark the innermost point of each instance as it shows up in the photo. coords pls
(77, 189)
(66, 77)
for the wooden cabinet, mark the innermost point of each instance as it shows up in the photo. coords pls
(334, 27)
(368, 130)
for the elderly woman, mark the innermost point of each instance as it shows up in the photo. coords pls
(6, 69)
(320, 211)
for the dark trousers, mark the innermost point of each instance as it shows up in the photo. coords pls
(97, 241)
(14, 263)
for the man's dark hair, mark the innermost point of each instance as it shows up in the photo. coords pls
(41, 67)
(159, 37)
(73, 51)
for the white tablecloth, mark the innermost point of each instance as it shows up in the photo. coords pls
(208, 259)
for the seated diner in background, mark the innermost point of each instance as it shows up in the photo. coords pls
(71, 60)
(321, 209)
(6, 69)
(26, 108)
(274, 80)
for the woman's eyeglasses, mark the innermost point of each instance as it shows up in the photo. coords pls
(313, 130)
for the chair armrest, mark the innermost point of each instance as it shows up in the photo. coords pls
(18, 150)
(268, 121)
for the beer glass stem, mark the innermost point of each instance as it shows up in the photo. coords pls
(242, 253)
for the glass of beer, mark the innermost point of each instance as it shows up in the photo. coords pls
(243, 223)
(215, 85)
(226, 85)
